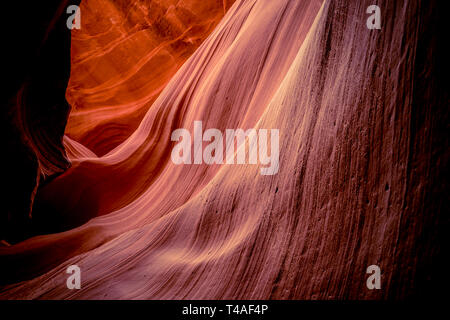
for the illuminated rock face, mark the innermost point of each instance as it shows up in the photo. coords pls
(361, 159)
(123, 56)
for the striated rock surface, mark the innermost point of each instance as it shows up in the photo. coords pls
(363, 149)
(123, 56)
(223, 73)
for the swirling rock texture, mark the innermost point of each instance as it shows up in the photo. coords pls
(363, 151)
(123, 57)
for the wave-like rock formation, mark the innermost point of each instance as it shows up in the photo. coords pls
(359, 183)
(123, 56)
(213, 76)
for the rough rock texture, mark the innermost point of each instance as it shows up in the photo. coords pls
(363, 151)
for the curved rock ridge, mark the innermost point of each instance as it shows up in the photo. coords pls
(139, 172)
(359, 116)
(123, 56)
(213, 76)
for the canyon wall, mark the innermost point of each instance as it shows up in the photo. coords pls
(363, 124)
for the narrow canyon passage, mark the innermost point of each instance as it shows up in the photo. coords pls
(361, 157)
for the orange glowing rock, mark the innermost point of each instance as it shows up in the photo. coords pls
(123, 56)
